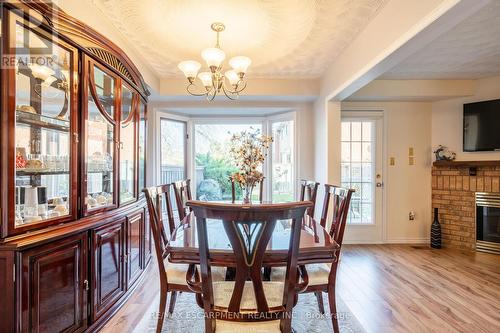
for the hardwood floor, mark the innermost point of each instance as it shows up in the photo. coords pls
(389, 288)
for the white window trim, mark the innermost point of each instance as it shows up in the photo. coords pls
(159, 115)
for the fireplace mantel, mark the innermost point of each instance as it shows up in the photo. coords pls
(466, 164)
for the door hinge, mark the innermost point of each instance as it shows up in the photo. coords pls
(86, 285)
(76, 137)
(14, 273)
(187, 136)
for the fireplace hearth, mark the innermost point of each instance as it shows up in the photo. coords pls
(488, 222)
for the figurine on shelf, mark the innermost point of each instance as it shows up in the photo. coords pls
(34, 164)
(20, 158)
(443, 153)
(26, 108)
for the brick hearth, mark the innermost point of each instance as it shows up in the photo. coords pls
(453, 192)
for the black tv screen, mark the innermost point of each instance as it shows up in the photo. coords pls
(482, 126)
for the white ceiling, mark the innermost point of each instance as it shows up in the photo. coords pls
(470, 50)
(284, 38)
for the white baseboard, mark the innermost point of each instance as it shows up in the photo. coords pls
(390, 241)
(361, 241)
(408, 241)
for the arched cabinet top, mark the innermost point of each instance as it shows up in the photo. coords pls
(82, 36)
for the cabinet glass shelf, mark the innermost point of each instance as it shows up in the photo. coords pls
(42, 121)
(32, 172)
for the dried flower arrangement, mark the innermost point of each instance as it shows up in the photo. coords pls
(249, 150)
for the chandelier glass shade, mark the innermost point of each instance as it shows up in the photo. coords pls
(231, 83)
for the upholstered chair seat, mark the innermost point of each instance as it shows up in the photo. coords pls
(177, 273)
(224, 290)
(222, 295)
(317, 273)
(272, 326)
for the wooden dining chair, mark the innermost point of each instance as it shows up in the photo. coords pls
(309, 191)
(233, 189)
(322, 276)
(172, 276)
(182, 191)
(248, 303)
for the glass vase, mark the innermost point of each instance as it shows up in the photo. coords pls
(247, 194)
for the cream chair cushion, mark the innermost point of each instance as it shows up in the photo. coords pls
(176, 273)
(317, 273)
(222, 296)
(224, 290)
(223, 326)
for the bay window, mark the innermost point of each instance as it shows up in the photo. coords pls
(210, 165)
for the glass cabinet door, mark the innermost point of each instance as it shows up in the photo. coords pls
(127, 146)
(43, 155)
(100, 141)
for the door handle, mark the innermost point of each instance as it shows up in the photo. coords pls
(379, 184)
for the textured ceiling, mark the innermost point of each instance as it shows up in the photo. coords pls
(284, 38)
(470, 50)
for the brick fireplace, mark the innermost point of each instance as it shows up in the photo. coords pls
(454, 187)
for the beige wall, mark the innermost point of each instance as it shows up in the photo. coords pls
(407, 188)
(447, 120)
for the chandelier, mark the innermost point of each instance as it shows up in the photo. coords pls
(231, 83)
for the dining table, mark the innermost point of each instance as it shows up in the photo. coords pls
(316, 245)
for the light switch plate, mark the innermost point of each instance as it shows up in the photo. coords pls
(392, 161)
(410, 151)
(411, 160)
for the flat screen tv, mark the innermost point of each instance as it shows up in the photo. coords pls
(482, 126)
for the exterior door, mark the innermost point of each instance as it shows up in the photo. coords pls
(108, 266)
(55, 287)
(362, 170)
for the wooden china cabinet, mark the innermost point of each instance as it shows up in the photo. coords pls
(74, 232)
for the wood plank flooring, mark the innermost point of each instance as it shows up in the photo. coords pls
(388, 288)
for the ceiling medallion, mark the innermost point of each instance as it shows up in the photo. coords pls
(214, 81)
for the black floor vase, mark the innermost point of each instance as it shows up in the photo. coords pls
(436, 231)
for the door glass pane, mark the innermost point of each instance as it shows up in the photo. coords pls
(126, 103)
(105, 88)
(99, 159)
(283, 182)
(213, 165)
(127, 166)
(358, 147)
(142, 147)
(173, 151)
(42, 128)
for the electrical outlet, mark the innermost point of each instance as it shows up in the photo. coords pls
(410, 151)
(411, 160)
(411, 216)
